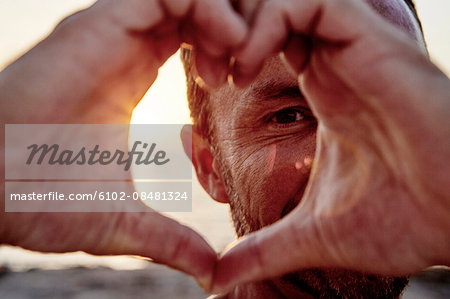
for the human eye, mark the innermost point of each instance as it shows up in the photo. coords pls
(290, 116)
(287, 116)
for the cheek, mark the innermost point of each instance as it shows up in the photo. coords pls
(272, 176)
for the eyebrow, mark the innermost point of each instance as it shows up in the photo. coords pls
(275, 90)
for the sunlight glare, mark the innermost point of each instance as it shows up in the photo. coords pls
(165, 102)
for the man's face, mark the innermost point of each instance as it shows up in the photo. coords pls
(264, 136)
(264, 142)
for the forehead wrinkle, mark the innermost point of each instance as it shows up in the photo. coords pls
(275, 89)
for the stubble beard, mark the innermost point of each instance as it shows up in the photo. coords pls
(242, 220)
(321, 283)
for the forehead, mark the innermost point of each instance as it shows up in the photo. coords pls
(274, 77)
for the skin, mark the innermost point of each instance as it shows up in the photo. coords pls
(265, 143)
(94, 68)
(378, 160)
(262, 167)
(108, 57)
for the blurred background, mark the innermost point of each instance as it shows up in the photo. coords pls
(23, 23)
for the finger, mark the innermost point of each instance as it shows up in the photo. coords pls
(143, 15)
(242, 76)
(248, 9)
(134, 14)
(210, 47)
(177, 8)
(212, 70)
(165, 241)
(320, 91)
(219, 22)
(332, 21)
(296, 53)
(187, 33)
(267, 37)
(146, 234)
(275, 250)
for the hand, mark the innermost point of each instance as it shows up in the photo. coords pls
(378, 195)
(94, 68)
(98, 63)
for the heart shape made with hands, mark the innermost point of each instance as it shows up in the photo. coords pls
(373, 171)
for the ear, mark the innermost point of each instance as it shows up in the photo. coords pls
(198, 150)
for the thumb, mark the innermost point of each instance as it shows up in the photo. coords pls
(283, 247)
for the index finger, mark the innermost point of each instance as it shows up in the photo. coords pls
(165, 241)
(146, 234)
